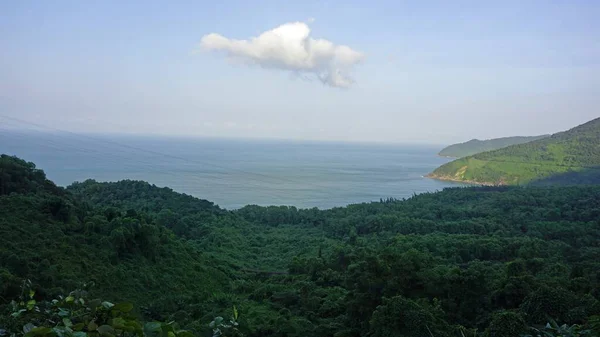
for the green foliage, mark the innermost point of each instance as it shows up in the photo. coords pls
(475, 146)
(552, 329)
(76, 315)
(58, 241)
(19, 176)
(507, 324)
(399, 316)
(570, 157)
(473, 261)
(222, 328)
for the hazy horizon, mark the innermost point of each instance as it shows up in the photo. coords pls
(235, 173)
(125, 135)
(22, 127)
(383, 72)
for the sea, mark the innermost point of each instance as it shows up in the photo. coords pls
(233, 173)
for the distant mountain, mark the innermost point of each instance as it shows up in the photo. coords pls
(475, 146)
(570, 157)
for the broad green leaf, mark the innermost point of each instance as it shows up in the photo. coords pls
(31, 293)
(168, 327)
(69, 299)
(59, 331)
(127, 328)
(92, 326)
(30, 304)
(18, 313)
(153, 326)
(134, 324)
(118, 323)
(78, 326)
(27, 327)
(107, 305)
(152, 329)
(105, 330)
(123, 307)
(41, 331)
(184, 333)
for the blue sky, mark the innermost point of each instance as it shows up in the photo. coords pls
(433, 71)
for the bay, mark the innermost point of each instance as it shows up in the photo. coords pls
(234, 173)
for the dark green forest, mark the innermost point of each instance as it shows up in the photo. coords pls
(570, 157)
(475, 146)
(477, 261)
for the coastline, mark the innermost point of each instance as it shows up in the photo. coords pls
(472, 182)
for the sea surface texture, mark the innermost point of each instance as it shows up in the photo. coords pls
(234, 173)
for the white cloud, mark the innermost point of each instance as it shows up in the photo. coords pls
(290, 47)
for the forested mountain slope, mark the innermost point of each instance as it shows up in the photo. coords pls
(478, 261)
(569, 157)
(475, 146)
(60, 242)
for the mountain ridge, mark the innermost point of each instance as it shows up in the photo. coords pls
(567, 152)
(475, 145)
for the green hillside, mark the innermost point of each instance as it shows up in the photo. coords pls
(570, 157)
(481, 261)
(61, 242)
(475, 146)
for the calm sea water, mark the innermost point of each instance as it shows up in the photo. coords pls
(234, 173)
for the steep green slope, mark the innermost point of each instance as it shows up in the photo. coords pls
(59, 242)
(475, 146)
(570, 157)
(477, 261)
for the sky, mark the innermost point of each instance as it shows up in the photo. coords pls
(380, 71)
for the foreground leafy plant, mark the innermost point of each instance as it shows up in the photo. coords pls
(552, 329)
(77, 316)
(226, 329)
